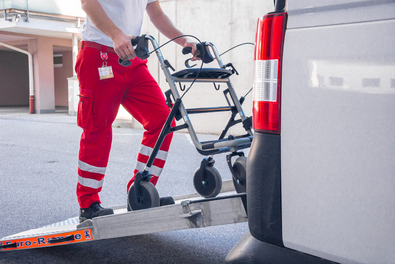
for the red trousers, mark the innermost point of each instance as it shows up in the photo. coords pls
(136, 90)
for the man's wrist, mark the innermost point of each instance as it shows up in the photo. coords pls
(181, 41)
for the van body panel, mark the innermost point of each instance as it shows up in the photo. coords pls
(338, 133)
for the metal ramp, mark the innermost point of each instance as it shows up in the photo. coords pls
(189, 211)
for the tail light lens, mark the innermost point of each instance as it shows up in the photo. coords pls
(267, 73)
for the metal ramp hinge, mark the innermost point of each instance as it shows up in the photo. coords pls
(195, 217)
(86, 224)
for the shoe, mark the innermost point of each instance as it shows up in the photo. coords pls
(94, 210)
(166, 200)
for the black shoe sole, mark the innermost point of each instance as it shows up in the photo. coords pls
(166, 201)
(107, 211)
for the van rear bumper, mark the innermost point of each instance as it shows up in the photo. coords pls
(252, 250)
(264, 188)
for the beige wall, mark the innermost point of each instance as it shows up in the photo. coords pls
(225, 23)
(60, 78)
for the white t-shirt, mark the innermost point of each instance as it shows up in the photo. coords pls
(126, 14)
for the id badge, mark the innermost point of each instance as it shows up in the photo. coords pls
(105, 72)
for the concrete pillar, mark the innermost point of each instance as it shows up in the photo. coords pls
(42, 51)
(75, 52)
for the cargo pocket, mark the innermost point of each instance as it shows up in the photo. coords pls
(85, 111)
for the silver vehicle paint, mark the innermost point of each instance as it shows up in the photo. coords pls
(338, 130)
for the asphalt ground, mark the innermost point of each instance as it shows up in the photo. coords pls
(38, 175)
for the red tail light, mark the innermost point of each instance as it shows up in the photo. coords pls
(267, 73)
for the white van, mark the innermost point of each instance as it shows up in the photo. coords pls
(321, 170)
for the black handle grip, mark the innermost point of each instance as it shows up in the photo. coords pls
(202, 52)
(124, 63)
(135, 41)
(186, 50)
(127, 63)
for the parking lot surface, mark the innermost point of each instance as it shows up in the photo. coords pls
(38, 176)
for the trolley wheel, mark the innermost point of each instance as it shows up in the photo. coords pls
(211, 186)
(239, 168)
(149, 197)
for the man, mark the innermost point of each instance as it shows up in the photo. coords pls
(105, 85)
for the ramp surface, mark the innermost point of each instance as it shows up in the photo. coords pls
(190, 211)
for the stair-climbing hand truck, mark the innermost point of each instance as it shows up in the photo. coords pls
(207, 180)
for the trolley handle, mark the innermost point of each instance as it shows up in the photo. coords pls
(202, 52)
(141, 43)
(186, 50)
(135, 41)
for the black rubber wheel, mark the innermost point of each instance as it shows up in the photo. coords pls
(211, 186)
(149, 197)
(239, 168)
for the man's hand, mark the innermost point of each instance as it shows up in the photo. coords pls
(195, 52)
(123, 46)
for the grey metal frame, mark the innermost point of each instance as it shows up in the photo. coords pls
(231, 145)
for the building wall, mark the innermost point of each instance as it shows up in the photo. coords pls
(60, 75)
(50, 85)
(59, 7)
(225, 23)
(14, 79)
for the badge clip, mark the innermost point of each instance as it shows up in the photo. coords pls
(105, 72)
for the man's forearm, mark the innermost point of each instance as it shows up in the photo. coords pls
(162, 22)
(166, 27)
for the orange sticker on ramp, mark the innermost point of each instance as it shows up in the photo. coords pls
(47, 240)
